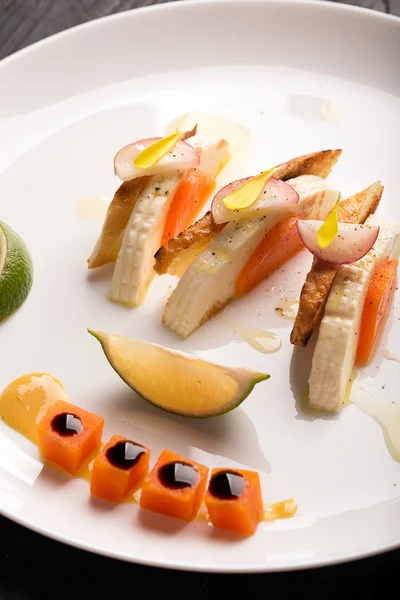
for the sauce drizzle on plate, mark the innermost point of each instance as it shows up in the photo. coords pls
(24, 402)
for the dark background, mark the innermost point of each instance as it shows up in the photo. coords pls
(29, 563)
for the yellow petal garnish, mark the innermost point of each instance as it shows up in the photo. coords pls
(152, 154)
(329, 229)
(248, 192)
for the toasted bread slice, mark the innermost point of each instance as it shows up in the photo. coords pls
(179, 253)
(182, 250)
(118, 214)
(317, 286)
(317, 163)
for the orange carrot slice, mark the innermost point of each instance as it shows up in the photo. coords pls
(119, 469)
(375, 310)
(68, 435)
(234, 500)
(175, 487)
(281, 243)
(192, 193)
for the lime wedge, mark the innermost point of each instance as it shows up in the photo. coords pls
(176, 382)
(16, 271)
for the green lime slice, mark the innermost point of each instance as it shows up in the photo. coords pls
(16, 271)
(177, 382)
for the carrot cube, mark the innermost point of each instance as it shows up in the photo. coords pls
(234, 500)
(175, 487)
(119, 469)
(68, 435)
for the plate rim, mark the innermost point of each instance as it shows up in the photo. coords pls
(302, 564)
(324, 5)
(298, 565)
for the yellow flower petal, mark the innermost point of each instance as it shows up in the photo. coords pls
(329, 229)
(152, 154)
(248, 192)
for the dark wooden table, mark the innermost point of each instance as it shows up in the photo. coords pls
(28, 559)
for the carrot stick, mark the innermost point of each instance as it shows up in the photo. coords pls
(375, 310)
(191, 195)
(281, 243)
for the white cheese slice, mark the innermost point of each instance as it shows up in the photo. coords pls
(336, 346)
(142, 238)
(317, 197)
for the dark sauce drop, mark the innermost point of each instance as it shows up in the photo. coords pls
(178, 475)
(125, 454)
(66, 424)
(227, 485)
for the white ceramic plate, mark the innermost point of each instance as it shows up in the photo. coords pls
(67, 104)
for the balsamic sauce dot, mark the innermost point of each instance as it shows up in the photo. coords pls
(178, 475)
(66, 424)
(124, 454)
(227, 485)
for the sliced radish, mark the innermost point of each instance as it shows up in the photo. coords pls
(351, 243)
(180, 157)
(276, 194)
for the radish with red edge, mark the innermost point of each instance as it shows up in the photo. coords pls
(275, 195)
(351, 243)
(180, 157)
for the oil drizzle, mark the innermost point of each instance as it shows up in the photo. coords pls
(329, 112)
(347, 395)
(386, 414)
(25, 400)
(261, 340)
(389, 355)
(85, 471)
(285, 509)
(312, 107)
(92, 208)
(212, 128)
(203, 514)
(288, 308)
(280, 510)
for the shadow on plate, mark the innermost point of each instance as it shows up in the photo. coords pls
(103, 273)
(160, 523)
(101, 506)
(231, 436)
(53, 476)
(222, 535)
